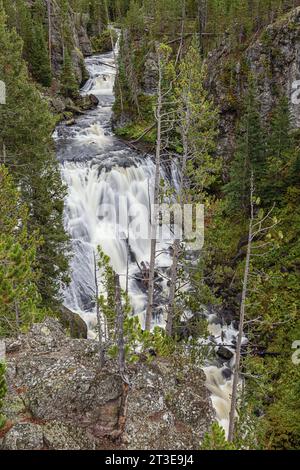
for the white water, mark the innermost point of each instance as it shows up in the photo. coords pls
(105, 179)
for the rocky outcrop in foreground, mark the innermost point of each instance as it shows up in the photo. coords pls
(58, 398)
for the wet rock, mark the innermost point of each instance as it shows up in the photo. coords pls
(57, 104)
(86, 102)
(74, 322)
(227, 316)
(224, 353)
(227, 373)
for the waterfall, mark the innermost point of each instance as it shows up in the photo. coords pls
(105, 180)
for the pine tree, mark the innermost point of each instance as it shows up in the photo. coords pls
(3, 390)
(18, 278)
(216, 439)
(39, 57)
(68, 79)
(163, 94)
(197, 120)
(282, 154)
(29, 25)
(250, 155)
(26, 127)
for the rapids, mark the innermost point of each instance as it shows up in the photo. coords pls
(105, 179)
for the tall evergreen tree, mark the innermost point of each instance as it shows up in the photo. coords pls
(39, 57)
(26, 127)
(249, 156)
(282, 154)
(29, 23)
(68, 79)
(18, 278)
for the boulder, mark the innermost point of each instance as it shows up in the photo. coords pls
(74, 322)
(86, 102)
(224, 353)
(59, 398)
(23, 436)
(60, 436)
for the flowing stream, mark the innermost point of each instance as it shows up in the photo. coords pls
(105, 180)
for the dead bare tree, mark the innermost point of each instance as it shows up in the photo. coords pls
(202, 18)
(242, 319)
(184, 125)
(120, 326)
(164, 123)
(194, 110)
(179, 53)
(99, 320)
(49, 33)
(257, 229)
(158, 117)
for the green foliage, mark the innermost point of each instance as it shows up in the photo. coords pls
(18, 291)
(39, 58)
(105, 42)
(3, 390)
(282, 154)
(107, 300)
(26, 127)
(197, 125)
(29, 25)
(216, 439)
(283, 428)
(135, 338)
(69, 85)
(271, 381)
(135, 130)
(249, 156)
(134, 20)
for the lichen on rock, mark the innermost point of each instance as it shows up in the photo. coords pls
(59, 398)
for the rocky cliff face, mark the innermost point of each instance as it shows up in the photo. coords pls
(274, 60)
(58, 398)
(76, 24)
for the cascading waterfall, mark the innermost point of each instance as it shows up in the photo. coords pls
(105, 179)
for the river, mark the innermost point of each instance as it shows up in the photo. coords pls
(105, 178)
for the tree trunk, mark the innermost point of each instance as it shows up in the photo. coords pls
(201, 22)
(49, 33)
(176, 245)
(101, 353)
(172, 292)
(120, 326)
(179, 53)
(241, 326)
(17, 313)
(4, 154)
(156, 201)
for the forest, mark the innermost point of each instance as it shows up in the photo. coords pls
(166, 103)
